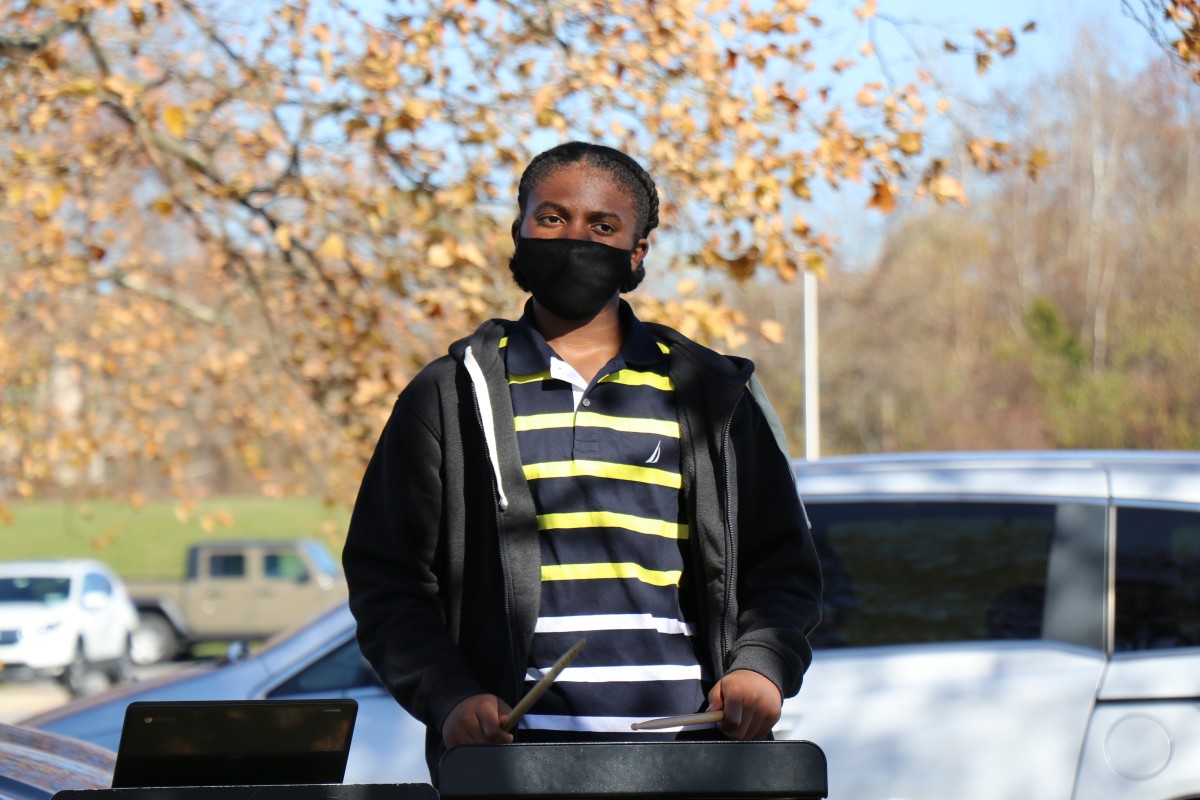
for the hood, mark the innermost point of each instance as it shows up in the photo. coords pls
(30, 615)
(51, 763)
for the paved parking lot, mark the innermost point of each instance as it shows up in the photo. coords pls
(19, 700)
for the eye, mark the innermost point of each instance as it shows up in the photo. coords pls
(604, 227)
(549, 219)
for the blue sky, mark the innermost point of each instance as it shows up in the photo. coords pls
(923, 26)
(1058, 25)
(926, 24)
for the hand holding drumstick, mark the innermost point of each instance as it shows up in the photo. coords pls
(486, 719)
(539, 688)
(744, 703)
(677, 722)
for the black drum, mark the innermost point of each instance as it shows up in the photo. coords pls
(703, 770)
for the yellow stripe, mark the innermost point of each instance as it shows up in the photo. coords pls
(540, 422)
(603, 469)
(504, 341)
(663, 347)
(588, 572)
(588, 419)
(612, 519)
(544, 375)
(629, 377)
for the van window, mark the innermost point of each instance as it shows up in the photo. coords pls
(919, 572)
(286, 565)
(227, 565)
(1157, 579)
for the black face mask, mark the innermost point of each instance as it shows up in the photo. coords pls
(570, 278)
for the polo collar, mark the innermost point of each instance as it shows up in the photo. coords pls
(528, 352)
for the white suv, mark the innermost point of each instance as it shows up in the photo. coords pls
(62, 618)
(1006, 625)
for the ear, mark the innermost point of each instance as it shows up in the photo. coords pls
(640, 249)
(516, 230)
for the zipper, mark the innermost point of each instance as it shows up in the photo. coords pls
(512, 650)
(730, 549)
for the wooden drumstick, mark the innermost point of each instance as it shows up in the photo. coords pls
(682, 719)
(539, 688)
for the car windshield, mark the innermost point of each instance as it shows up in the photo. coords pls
(318, 622)
(49, 591)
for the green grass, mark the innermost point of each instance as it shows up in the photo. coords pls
(150, 541)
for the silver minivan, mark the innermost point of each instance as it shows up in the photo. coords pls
(1006, 625)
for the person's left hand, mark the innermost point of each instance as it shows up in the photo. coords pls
(751, 704)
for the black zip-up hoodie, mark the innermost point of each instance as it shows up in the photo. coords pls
(442, 554)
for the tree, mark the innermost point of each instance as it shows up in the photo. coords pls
(1050, 313)
(1174, 25)
(237, 230)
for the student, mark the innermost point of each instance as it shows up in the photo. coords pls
(579, 473)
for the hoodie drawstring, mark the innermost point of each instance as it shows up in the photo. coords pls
(484, 399)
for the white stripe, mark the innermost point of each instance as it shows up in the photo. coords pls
(648, 672)
(556, 722)
(613, 622)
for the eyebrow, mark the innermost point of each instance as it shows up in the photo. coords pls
(550, 205)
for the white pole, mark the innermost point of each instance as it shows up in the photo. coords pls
(812, 393)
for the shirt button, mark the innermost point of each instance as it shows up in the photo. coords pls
(587, 402)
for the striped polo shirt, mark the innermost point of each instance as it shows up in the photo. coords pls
(602, 461)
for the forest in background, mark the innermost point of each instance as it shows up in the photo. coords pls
(232, 235)
(1050, 313)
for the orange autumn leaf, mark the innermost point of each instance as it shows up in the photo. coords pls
(772, 331)
(883, 199)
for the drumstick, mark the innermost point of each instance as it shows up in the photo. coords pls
(540, 687)
(682, 719)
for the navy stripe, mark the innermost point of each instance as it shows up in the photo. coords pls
(646, 700)
(542, 397)
(608, 545)
(560, 598)
(609, 648)
(621, 447)
(588, 494)
(547, 395)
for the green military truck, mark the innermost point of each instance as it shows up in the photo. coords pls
(236, 590)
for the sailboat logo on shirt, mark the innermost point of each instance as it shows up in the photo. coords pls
(653, 459)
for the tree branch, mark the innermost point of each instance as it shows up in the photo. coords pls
(12, 46)
(197, 311)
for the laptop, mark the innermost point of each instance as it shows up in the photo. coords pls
(234, 742)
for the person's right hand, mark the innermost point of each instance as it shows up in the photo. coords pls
(476, 720)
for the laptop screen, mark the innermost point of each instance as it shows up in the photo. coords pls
(234, 742)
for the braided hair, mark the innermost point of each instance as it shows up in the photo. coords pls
(627, 172)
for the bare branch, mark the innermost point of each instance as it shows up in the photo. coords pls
(197, 311)
(12, 46)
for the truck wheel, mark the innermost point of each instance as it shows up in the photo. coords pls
(118, 671)
(75, 673)
(154, 641)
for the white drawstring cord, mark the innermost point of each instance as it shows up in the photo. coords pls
(484, 399)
